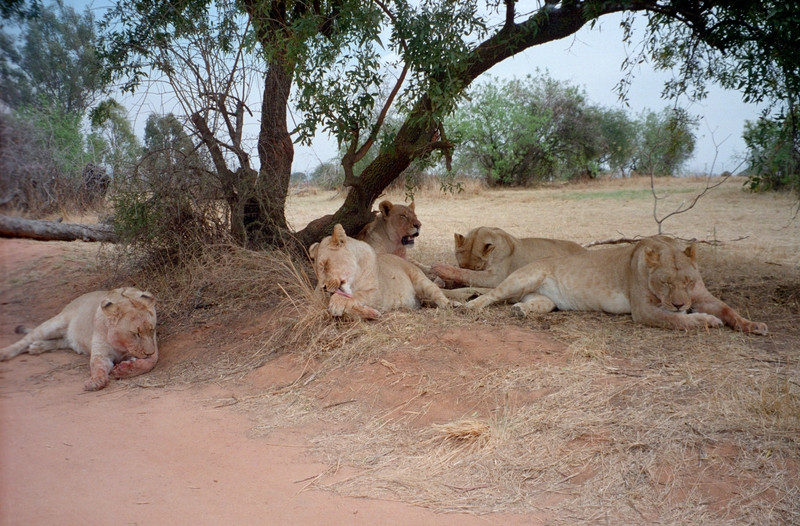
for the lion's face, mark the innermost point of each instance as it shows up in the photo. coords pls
(672, 275)
(131, 318)
(336, 267)
(478, 250)
(401, 222)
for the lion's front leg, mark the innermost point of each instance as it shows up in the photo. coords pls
(703, 301)
(340, 304)
(521, 282)
(463, 276)
(658, 317)
(99, 367)
(425, 289)
(133, 367)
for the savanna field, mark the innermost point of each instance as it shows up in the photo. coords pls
(564, 418)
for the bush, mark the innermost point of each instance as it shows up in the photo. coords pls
(42, 163)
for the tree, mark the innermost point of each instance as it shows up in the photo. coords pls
(55, 62)
(520, 131)
(327, 49)
(112, 140)
(665, 141)
(618, 139)
(773, 146)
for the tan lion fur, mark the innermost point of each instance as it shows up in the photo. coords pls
(656, 280)
(393, 230)
(486, 256)
(365, 284)
(116, 328)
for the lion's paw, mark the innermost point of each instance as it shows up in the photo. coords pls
(37, 347)
(518, 311)
(758, 328)
(95, 384)
(708, 320)
(121, 370)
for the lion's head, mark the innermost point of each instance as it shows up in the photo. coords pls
(671, 273)
(336, 266)
(482, 247)
(400, 222)
(131, 320)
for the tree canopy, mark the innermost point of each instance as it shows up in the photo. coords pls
(350, 63)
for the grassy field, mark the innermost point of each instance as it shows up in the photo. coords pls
(568, 418)
(579, 417)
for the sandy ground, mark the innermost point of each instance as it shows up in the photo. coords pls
(180, 455)
(148, 456)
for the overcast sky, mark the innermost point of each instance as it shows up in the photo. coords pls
(590, 59)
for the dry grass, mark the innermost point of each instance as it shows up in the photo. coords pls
(612, 422)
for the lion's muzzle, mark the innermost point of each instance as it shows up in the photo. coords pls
(409, 240)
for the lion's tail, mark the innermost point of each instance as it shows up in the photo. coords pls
(21, 329)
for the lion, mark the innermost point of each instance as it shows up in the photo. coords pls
(486, 256)
(364, 284)
(393, 230)
(116, 328)
(656, 280)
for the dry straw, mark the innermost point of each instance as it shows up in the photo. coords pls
(629, 424)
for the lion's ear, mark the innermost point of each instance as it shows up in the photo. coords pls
(339, 238)
(312, 252)
(651, 257)
(691, 251)
(147, 298)
(487, 249)
(411, 206)
(459, 240)
(110, 308)
(386, 207)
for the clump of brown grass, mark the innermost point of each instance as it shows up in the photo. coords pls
(461, 433)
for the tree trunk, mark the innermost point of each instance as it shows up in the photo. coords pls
(54, 231)
(265, 210)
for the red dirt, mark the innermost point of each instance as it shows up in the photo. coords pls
(171, 456)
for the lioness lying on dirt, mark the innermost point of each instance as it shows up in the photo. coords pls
(363, 283)
(117, 329)
(486, 256)
(393, 230)
(656, 280)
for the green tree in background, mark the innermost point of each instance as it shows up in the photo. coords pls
(665, 141)
(53, 63)
(772, 145)
(112, 141)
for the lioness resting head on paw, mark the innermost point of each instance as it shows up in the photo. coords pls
(363, 283)
(393, 230)
(116, 328)
(656, 280)
(486, 256)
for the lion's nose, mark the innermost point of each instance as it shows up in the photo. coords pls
(678, 305)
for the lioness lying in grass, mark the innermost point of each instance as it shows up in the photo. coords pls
(656, 280)
(363, 283)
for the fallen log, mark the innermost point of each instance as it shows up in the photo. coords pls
(54, 231)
